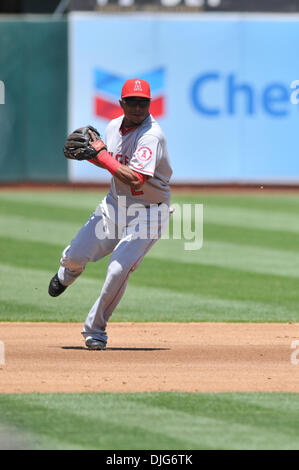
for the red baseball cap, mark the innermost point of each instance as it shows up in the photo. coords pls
(136, 87)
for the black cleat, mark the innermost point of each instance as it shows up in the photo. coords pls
(55, 287)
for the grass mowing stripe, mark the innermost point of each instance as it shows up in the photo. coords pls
(252, 408)
(261, 219)
(165, 273)
(49, 212)
(24, 311)
(87, 199)
(273, 202)
(252, 218)
(31, 254)
(246, 257)
(156, 420)
(31, 301)
(241, 257)
(219, 282)
(49, 231)
(34, 304)
(119, 425)
(283, 241)
(44, 256)
(79, 199)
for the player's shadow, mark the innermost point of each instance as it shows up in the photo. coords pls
(117, 349)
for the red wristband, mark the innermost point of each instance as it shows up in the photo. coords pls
(108, 162)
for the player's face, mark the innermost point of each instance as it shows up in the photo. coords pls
(135, 109)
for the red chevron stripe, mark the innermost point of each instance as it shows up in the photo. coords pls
(107, 110)
(157, 107)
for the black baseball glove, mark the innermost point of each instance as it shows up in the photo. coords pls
(83, 144)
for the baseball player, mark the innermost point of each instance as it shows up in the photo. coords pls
(135, 153)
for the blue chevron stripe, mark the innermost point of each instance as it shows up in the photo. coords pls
(156, 79)
(107, 82)
(112, 84)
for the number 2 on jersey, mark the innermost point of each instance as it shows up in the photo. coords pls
(136, 193)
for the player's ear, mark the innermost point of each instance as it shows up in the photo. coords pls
(121, 104)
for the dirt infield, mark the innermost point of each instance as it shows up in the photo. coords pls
(141, 357)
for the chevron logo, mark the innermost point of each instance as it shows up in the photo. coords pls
(108, 90)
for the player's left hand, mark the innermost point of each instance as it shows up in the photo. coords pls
(83, 144)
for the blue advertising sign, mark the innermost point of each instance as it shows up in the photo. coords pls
(221, 89)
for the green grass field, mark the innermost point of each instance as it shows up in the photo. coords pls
(155, 420)
(247, 271)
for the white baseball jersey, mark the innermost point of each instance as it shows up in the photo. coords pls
(144, 150)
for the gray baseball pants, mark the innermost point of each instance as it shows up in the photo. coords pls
(127, 236)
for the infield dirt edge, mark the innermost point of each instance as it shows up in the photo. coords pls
(150, 357)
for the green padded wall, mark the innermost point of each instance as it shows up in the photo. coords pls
(33, 120)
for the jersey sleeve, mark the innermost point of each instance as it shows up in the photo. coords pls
(146, 155)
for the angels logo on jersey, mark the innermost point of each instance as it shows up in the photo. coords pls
(144, 154)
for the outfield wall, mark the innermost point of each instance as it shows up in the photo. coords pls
(221, 91)
(221, 87)
(33, 113)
